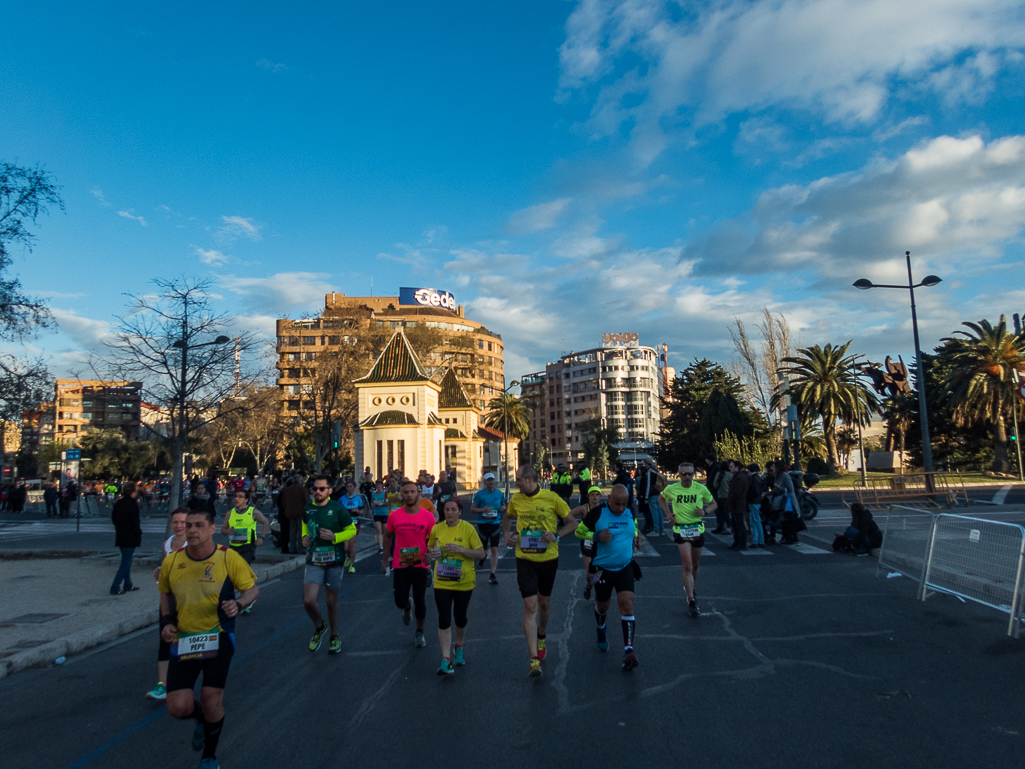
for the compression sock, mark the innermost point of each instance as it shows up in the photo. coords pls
(629, 623)
(541, 635)
(600, 617)
(213, 736)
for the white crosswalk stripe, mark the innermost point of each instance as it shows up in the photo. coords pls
(16, 531)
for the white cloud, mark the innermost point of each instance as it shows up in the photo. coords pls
(654, 66)
(270, 66)
(97, 193)
(129, 215)
(235, 227)
(543, 216)
(214, 258)
(86, 332)
(282, 294)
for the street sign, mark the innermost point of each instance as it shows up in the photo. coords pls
(73, 455)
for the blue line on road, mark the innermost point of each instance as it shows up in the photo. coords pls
(163, 708)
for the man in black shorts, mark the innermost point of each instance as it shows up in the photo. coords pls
(683, 506)
(197, 617)
(489, 505)
(537, 512)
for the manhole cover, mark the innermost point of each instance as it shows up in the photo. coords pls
(34, 619)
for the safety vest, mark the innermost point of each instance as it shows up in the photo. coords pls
(243, 526)
(585, 475)
(563, 479)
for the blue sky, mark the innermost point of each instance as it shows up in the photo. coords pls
(564, 168)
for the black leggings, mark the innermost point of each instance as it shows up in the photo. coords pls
(445, 599)
(411, 577)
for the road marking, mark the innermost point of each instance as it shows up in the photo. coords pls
(759, 551)
(1000, 496)
(806, 549)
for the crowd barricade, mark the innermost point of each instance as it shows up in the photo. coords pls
(906, 535)
(922, 490)
(978, 560)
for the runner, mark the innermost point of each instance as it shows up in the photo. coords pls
(489, 505)
(197, 617)
(615, 533)
(454, 547)
(240, 525)
(327, 526)
(683, 505)
(537, 512)
(379, 503)
(408, 529)
(354, 502)
(175, 542)
(587, 543)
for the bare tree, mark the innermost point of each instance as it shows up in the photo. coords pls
(759, 363)
(177, 345)
(25, 193)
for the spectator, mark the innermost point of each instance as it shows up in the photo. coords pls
(656, 484)
(736, 499)
(863, 533)
(199, 500)
(17, 497)
(721, 492)
(623, 478)
(754, 504)
(642, 496)
(50, 496)
(784, 503)
(128, 536)
(294, 497)
(712, 479)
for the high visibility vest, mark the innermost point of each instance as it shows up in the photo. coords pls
(562, 479)
(243, 526)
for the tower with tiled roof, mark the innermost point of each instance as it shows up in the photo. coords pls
(464, 447)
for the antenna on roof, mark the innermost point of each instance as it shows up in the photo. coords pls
(371, 285)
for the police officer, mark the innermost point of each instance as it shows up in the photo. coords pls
(562, 483)
(240, 526)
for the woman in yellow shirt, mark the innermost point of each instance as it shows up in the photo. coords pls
(455, 548)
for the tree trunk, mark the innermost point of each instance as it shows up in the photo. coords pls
(832, 455)
(1001, 463)
(174, 497)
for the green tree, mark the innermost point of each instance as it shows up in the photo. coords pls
(510, 414)
(827, 382)
(983, 365)
(598, 442)
(111, 455)
(25, 194)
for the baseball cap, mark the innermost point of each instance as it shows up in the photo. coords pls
(489, 476)
(594, 489)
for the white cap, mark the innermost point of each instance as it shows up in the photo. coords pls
(489, 476)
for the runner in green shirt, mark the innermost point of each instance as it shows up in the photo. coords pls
(683, 505)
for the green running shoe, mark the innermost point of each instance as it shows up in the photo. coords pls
(158, 692)
(318, 638)
(335, 647)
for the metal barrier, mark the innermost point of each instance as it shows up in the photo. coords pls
(978, 560)
(907, 532)
(931, 490)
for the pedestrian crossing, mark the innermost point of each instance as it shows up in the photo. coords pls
(10, 532)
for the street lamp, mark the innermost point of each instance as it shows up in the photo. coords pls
(928, 281)
(179, 443)
(505, 431)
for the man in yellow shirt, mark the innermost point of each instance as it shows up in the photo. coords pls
(197, 617)
(538, 513)
(683, 505)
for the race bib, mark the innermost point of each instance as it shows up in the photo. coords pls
(240, 537)
(449, 569)
(195, 646)
(588, 542)
(323, 556)
(531, 542)
(492, 514)
(409, 556)
(688, 532)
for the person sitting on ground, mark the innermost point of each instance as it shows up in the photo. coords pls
(862, 535)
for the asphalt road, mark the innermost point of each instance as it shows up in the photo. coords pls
(800, 659)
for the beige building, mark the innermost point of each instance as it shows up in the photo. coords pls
(82, 404)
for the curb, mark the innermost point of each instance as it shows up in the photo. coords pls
(74, 643)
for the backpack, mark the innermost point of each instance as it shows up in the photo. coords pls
(754, 489)
(658, 485)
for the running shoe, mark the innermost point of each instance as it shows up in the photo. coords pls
(352, 569)
(209, 763)
(158, 692)
(492, 579)
(418, 640)
(348, 562)
(446, 668)
(587, 590)
(535, 668)
(460, 659)
(407, 614)
(603, 639)
(198, 736)
(335, 646)
(318, 638)
(694, 611)
(629, 660)
(541, 651)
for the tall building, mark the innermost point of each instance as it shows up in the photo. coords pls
(618, 383)
(36, 428)
(84, 404)
(473, 351)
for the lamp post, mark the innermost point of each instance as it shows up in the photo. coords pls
(928, 281)
(505, 432)
(179, 438)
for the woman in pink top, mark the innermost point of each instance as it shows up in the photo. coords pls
(405, 539)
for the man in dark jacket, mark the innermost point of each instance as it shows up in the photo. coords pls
(292, 500)
(50, 497)
(128, 536)
(737, 502)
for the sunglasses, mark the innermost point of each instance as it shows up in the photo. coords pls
(322, 488)
(689, 475)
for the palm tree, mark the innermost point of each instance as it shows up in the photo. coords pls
(984, 363)
(509, 414)
(826, 381)
(896, 411)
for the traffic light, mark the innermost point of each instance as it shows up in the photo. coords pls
(336, 434)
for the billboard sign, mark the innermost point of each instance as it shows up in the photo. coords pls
(620, 340)
(427, 297)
